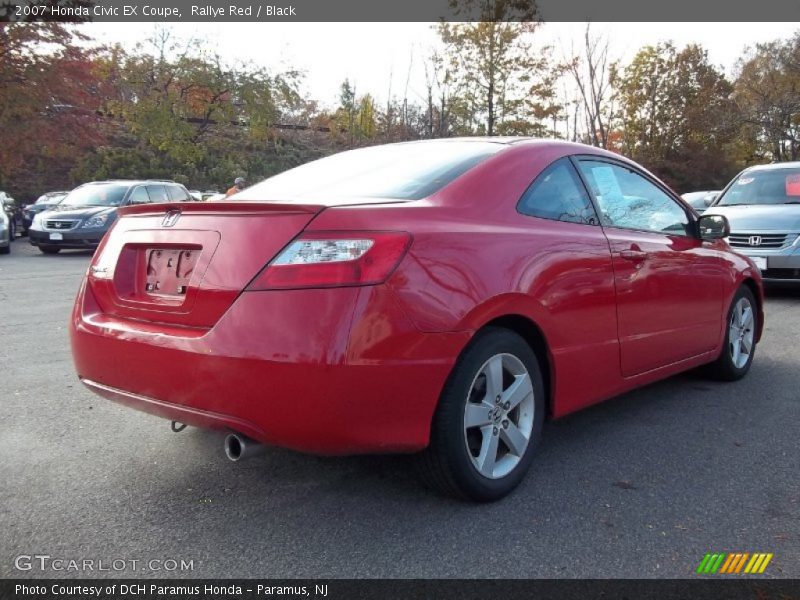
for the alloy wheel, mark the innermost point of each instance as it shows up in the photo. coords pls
(498, 416)
(741, 332)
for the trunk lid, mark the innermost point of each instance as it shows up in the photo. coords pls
(185, 264)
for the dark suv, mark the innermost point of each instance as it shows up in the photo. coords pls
(81, 219)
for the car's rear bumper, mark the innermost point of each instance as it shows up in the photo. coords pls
(338, 371)
(71, 239)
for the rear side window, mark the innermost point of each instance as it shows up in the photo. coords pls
(158, 193)
(177, 193)
(559, 195)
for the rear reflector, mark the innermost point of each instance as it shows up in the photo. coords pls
(334, 259)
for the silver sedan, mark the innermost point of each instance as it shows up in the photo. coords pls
(762, 205)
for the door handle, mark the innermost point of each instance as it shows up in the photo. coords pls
(634, 255)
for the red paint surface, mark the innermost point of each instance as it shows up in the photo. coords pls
(360, 369)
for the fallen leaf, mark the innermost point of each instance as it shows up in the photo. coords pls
(624, 485)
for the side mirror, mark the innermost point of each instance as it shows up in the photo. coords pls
(713, 227)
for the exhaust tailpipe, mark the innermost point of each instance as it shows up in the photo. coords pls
(238, 447)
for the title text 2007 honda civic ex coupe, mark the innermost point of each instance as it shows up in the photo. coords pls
(441, 296)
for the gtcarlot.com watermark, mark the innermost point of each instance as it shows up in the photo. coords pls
(47, 563)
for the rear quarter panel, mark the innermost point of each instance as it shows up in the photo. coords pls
(474, 258)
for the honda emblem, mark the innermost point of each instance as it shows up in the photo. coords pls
(755, 240)
(171, 218)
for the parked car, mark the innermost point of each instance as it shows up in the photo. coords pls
(196, 195)
(44, 202)
(212, 195)
(5, 233)
(13, 213)
(700, 201)
(83, 217)
(762, 205)
(442, 297)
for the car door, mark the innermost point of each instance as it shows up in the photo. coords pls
(575, 284)
(669, 293)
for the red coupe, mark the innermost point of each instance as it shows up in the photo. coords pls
(442, 297)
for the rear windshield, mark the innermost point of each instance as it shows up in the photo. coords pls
(107, 194)
(399, 171)
(774, 186)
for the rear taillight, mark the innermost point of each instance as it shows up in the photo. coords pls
(334, 259)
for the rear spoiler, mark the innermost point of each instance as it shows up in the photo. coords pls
(219, 208)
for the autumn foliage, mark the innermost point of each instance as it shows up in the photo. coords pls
(50, 104)
(72, 111)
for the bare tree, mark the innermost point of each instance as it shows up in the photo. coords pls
(591, 69)
(429, 84)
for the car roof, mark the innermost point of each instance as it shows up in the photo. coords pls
(774, 166)
(504, 140)
(521, 142)
(131, 181)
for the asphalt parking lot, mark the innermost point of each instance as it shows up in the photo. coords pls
(641, 486)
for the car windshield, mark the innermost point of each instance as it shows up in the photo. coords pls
(110, 194)
(692, 196)
(400, 171)
(50, 198)
(773, 186)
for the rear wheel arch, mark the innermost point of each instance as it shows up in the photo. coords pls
(532, 333)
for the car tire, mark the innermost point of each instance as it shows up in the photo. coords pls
(739, 348)
(488, 421)
(5, 249)
(49, 250)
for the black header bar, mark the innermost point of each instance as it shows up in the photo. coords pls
(175, 11)
(709, 588)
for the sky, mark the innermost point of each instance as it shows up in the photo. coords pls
(383, 57)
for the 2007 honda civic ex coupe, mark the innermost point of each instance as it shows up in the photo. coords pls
(441, 297)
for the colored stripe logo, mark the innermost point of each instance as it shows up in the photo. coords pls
(734, 563)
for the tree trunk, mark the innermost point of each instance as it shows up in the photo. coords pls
(490, 98)
(430, 111)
